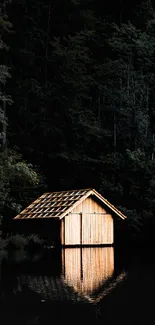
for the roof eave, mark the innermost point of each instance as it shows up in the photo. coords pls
(107, 203)
(100, 197)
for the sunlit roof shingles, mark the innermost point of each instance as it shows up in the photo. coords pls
(51, 204)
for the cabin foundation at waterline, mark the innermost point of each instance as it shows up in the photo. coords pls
(74, 218)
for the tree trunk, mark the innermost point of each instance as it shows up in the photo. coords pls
(99, 106)
(47, 42)
(115, 131)
(120, 12)
(134, 115)
(3, 137)
(153, 138)
(147, 108)
(4, 141)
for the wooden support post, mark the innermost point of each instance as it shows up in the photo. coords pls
(81, 228)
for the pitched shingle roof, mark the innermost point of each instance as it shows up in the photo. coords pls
(58, 204)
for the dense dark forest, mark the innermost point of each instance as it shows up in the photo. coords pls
(77, 103)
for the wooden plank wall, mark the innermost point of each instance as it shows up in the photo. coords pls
(95, 229)
(86, 269)
(72, 229)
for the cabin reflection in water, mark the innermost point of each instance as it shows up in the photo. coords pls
(87, 275)
(87, 269)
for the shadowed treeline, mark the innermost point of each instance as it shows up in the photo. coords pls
(80, 77)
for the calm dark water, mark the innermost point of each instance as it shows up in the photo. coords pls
(74, 285)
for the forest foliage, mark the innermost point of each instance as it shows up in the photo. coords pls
(77, 103)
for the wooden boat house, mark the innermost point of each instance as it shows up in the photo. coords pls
(72, 218)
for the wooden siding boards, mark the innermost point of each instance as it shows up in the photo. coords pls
(86, 217)
(96, 225)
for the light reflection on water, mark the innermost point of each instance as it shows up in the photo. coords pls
(90, 271)
(78, 280)
(86, 276)
(84, 270)
(87, 269)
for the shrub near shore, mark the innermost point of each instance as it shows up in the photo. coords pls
(19, 241)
